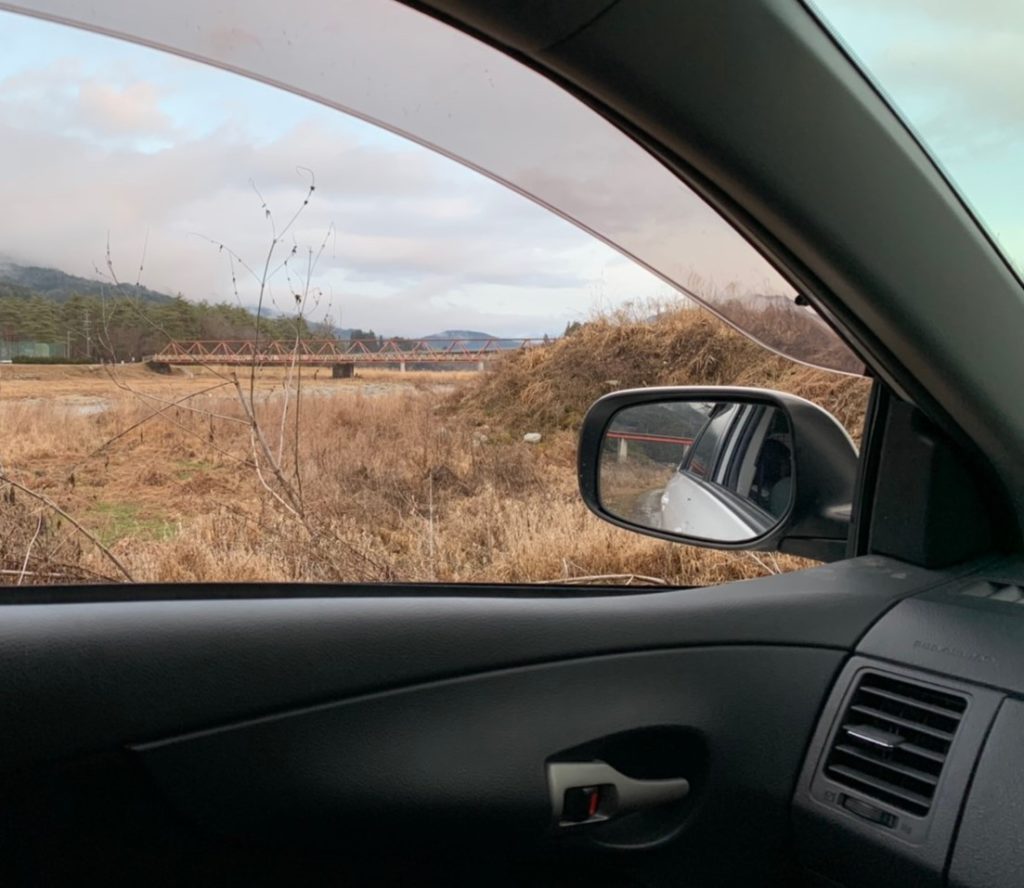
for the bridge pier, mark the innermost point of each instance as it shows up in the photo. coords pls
(343, 371)
(401, 366)
(480, 366)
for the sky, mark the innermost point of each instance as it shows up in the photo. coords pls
(166, 156)
(169, 158)
(955, 70)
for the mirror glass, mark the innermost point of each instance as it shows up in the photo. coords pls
(718, 471)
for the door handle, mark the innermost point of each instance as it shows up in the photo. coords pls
(589, 792)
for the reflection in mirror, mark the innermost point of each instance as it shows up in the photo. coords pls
(719, 471)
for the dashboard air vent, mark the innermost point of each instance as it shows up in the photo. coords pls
(893, 740)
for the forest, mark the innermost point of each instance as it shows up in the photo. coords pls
(125, 328)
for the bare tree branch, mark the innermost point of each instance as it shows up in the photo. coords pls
(155, 414)
(263, 481)
(45, 500)
(28, 550)
(264, 448)
(145, 396)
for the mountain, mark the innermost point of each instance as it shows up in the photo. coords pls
(26, 280)
(464, 339)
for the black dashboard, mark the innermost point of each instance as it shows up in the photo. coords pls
(913, 775)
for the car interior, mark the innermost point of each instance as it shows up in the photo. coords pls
(855, 723)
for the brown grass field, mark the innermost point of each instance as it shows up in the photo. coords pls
(385, 477)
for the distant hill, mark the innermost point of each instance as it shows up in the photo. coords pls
(28, 280)
(346, 332)
(463, 339)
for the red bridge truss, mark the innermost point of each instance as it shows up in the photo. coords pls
(327, 352)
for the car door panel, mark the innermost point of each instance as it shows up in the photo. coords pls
(141, 671)
(472, 750)
(233, 738)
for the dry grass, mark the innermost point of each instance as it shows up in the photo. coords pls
(552, 388)
(410, 477)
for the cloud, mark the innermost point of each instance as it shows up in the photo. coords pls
(64, 97)
(134, 108)
(403, 221)
(158, 151)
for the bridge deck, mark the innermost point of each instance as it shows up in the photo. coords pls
(325, 352)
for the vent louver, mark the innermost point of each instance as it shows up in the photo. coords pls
(893, 741)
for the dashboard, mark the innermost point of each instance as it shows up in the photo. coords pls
(913, 775)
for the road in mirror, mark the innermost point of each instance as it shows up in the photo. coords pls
(719, 471)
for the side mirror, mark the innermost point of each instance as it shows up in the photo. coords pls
(724, 468)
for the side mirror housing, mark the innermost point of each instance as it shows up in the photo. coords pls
(723, 468)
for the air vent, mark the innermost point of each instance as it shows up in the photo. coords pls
(893, 740)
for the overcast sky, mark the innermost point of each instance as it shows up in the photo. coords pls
(106, 136)
(100, 135)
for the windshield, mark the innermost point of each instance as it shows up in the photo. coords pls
(954, 71)
(417, 77)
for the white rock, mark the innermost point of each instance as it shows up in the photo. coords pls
(532, 437)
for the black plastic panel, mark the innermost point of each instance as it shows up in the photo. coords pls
(528, 26)
(923, 481)
(990, 845)
(947, 631)
(452, 758)
(134, 671)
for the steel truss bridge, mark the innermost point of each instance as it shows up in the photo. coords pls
(340, 352)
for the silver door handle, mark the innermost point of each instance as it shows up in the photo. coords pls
(606, 792)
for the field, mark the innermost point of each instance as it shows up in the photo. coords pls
(118, 472)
